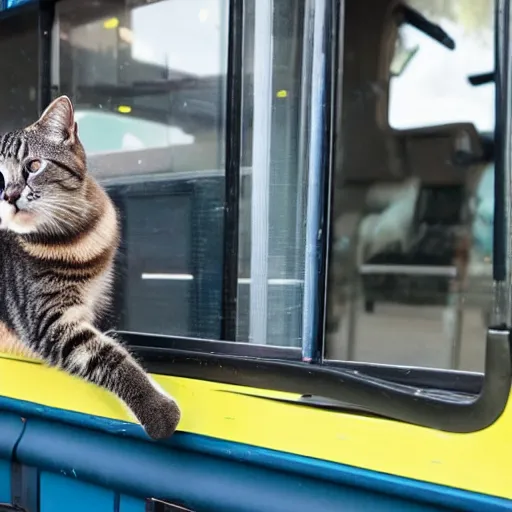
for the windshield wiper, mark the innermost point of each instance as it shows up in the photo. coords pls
(482, 78)
(418, 21)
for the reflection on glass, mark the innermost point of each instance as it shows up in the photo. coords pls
(410, 266)
(273, 185)
(148, 82)
(19, 68)
(145, 76)
(15, 3)
(434, 88)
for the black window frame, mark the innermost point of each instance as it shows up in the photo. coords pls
(442, 399)
(39, 17)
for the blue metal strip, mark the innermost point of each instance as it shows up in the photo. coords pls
(315, 230)
(274, 461)
(197, 481)
(342, 474)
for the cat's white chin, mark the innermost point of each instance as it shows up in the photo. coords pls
(15, 220)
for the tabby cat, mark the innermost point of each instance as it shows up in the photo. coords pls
(58, 237)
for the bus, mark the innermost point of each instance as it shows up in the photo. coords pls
(315, 260)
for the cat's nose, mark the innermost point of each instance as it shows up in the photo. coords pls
(11, 195)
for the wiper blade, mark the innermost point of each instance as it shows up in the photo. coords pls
(482, 78)
(418, 21)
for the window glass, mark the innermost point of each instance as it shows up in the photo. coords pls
(149, 83)
(434, 86)
(410, 266)
(146, 74)
(19, 68)
(272, 209)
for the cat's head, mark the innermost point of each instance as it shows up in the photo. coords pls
(43, 176)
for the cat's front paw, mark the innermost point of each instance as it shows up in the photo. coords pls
(160, 417)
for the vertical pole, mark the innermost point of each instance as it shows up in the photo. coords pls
(262, 127)
(45, 26)
(232, 174)
(502, 245)
(319, 158)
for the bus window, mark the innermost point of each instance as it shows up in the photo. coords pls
(272, 205)
(149, 81)
(151, 75)
(218, 152)
(410, 280)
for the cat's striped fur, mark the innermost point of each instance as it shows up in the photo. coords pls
(58, 238)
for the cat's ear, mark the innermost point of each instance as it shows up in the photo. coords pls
(58, 120)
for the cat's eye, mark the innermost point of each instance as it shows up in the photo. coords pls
(34, 165)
